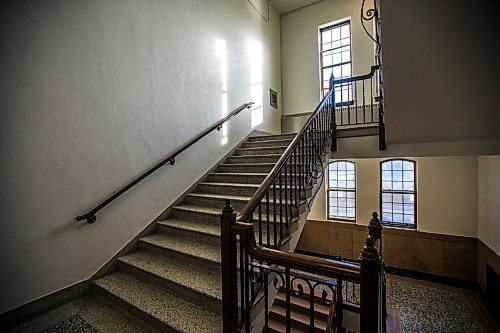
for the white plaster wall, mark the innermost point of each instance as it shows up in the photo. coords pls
(446, 194)
(441, 70)
(93, 93)
(300, 53)
(489, 201)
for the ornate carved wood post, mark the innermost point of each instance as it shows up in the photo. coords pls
(371, 288)
(332, 119)
(229, 269)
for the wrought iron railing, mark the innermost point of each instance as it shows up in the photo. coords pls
(252, 275)
(254, 271)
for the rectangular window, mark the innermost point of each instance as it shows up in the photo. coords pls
(398, 192)
(341, 190)
(335, 57)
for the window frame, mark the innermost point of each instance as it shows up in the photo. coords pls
(331, 26)
(414, 192)
(328, 189)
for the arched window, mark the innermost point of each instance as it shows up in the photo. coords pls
(398, 192)
(342, 190)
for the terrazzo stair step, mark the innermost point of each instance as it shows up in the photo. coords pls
(248, 167)
(204, 215)
(267, 143)
(236, 189)
(183, 241)
(302, 306)
(260, 150)
(202, 249)
(234, 177)
(245, 178)
(230, 189)
(197, 213)
(188, 227)
(285, 136)
(196, 283)
(299, 321)
(263, 158)
(238, 202)
(160, 308)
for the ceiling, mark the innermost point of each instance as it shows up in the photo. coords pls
(286, 6)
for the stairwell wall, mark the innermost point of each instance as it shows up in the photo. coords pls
(95, 92)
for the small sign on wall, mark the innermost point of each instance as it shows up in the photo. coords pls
(273, 98)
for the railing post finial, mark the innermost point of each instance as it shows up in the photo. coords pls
(369, 253)
(375, 227)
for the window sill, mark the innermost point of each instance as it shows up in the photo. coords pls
(399, 226)
(338, 219)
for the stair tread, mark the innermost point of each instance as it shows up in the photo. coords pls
(261, 148)
(199, 227)
(230, 184)
(299, 317)
(212, 210)
(158, 303)
(187, 274)
(190, 245)
(219, 196)
(323, 309)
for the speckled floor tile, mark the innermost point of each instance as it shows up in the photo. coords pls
(158, 303)
(431, 310)
(74, 324)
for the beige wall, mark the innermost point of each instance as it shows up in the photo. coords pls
(446, 194)
(300, 54)
(441, 70)
(452, 256)
(489, 201)
(95, 92)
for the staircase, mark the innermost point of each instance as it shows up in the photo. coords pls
(173, 281)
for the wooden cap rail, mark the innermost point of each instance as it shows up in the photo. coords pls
(91, 217)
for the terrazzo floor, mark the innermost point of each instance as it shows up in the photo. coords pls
(424, 308)
(431, 309)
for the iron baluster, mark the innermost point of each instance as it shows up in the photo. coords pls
(267, 218)
(274, 216)
(281, 207)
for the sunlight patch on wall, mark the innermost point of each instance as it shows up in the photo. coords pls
(221, 52)
(256, 87)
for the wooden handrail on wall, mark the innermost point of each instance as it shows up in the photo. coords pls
(91, 217)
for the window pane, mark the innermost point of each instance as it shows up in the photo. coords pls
(326, 36)
(346, 56)
(345, 31)
(398, 218)
(408, 186)
(408, 165)
(408, 175)
(397, 165)
(386, 166)
(335, 33)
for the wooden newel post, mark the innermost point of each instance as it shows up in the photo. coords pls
(333, 124)
(375, 230)
(371, 288)
(229, 269)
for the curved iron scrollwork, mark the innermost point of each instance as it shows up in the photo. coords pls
(370, 14)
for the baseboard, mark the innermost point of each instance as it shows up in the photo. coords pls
(440, 279)
(22, 313)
